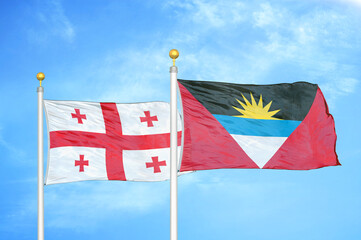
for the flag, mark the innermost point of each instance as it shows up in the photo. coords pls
(107, 141)
(279, 126)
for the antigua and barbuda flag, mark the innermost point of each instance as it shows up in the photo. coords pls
(108, 141)
(279, 126)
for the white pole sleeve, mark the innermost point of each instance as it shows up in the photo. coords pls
(173, 155)
(40, 91)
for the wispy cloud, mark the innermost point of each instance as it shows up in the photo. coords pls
(356, 3)
(339, 87)
(211, 14)
(52, 22)
(69, 206)
(268, 16)
(141, 71)
(11, 150)
(308, 43)
(290, 46)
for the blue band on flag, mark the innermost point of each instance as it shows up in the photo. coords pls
(257, 127)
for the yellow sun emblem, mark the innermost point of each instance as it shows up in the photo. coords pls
(254, 110)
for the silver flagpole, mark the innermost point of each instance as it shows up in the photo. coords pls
(173, 148)
(40, 76)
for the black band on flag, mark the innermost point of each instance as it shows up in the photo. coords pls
(289, 101)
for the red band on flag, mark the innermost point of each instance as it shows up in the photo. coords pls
(312, 144)
(207, 145)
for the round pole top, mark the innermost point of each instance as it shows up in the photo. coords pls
(173, 54)
(40, 76)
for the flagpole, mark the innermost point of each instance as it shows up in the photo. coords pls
(40, 76)
(173, 148)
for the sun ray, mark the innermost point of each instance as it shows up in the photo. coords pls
(242, 104)
(266, 108)
(253, 101)
(238, 109)
(260, 103)
(254, 110)
(274, 112)
(243, 112)
(246, 101)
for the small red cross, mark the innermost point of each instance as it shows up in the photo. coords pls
(79, 116)
(156, 164)
(81, 163)
(149, 119)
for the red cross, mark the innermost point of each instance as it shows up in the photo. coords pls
(149, 119)
(155, 164)
(81, 163)
(79, 116)
(112, 140)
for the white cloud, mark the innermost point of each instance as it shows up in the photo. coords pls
(348, 85)
(70, 205)
(220, 183)
(13, 152)
(356, 3)
(134, 75)
(52, 22)
(211, 13)
(305, 41)
(267, 16)
(338, 87)
(290, 38)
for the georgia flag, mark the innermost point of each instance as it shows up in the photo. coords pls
(108, 141)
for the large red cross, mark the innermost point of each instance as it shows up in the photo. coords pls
(81, 163)
(149, 119)
(79, 116)
(112, 140)
(156, 164)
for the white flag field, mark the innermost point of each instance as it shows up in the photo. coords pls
(108, 141)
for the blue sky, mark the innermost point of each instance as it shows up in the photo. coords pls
(118, 51)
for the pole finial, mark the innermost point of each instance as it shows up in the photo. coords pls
(40, 76)
(173, 54)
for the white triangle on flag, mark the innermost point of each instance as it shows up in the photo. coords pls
(259, 149)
